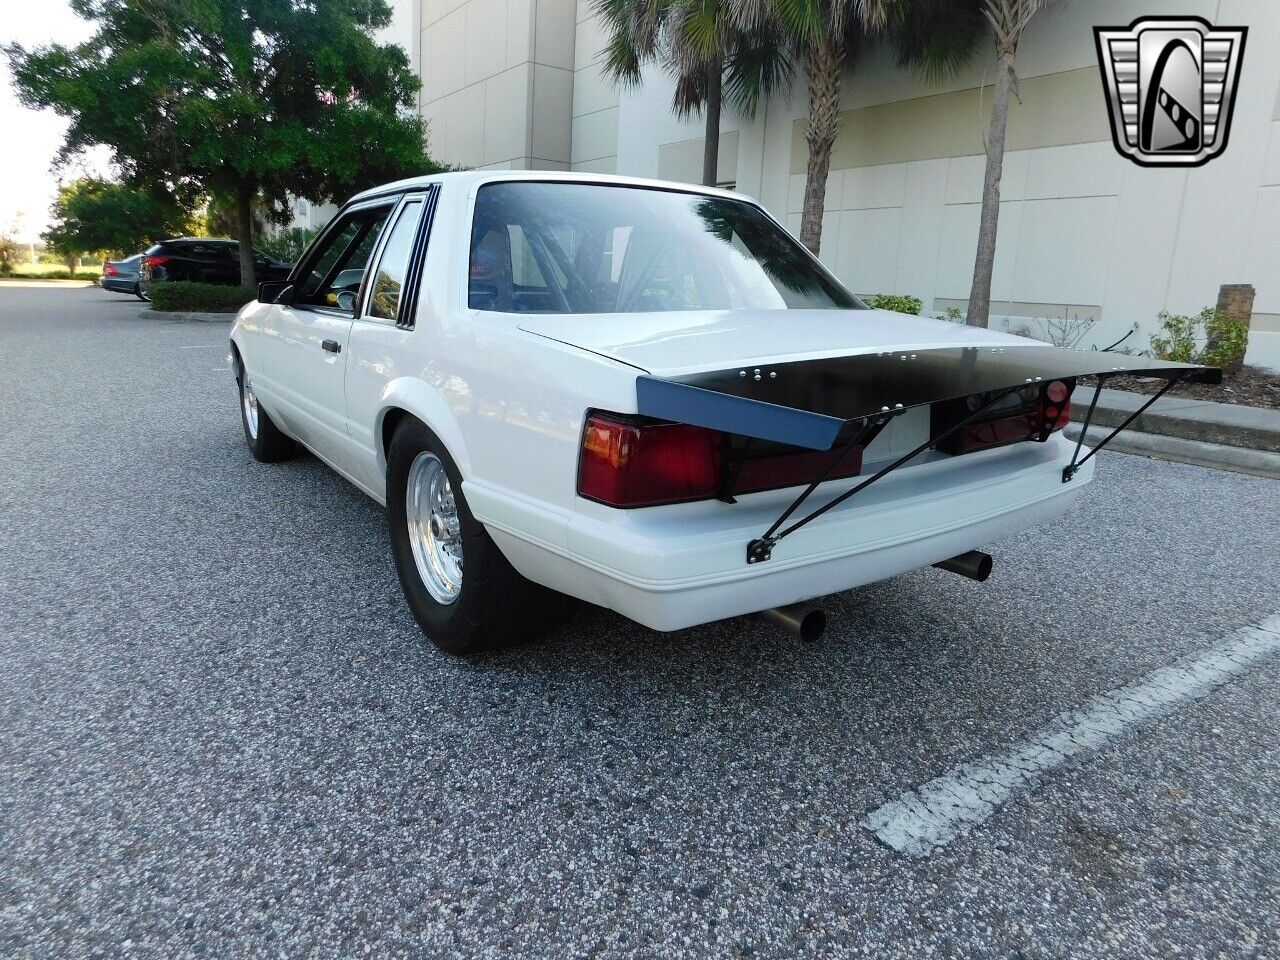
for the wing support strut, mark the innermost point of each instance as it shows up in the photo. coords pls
(1069, 471)
(761, 549)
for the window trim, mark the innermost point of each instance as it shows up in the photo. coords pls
(407, 306)
(303, 267)
(418, 260)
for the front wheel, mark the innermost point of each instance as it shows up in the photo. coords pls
(266, 441)
(463, 592)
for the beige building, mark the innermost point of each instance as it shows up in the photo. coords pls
(1083, 231)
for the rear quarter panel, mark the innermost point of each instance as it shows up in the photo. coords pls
(509, 405)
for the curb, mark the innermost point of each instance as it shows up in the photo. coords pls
(1258, 463)
(152, 314)
(1220, 424)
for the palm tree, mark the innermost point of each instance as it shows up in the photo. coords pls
(703, 46)
(933, 36)
(826, 35)
(1009, 19)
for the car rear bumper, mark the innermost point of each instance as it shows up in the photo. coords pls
(673, 567)
(119, 284)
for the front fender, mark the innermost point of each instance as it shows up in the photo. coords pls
(421, 400)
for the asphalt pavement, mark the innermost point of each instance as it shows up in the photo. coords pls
(222, 735)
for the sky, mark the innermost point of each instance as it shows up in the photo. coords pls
(27, 185)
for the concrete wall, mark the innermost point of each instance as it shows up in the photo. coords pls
(497, 81)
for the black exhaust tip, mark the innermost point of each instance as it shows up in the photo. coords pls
(975, 565)
(802, 620)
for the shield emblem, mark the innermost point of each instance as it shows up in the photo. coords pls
(1171, 87)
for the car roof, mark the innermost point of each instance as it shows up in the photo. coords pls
(477, 178)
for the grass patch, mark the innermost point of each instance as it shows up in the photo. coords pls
(198, 297)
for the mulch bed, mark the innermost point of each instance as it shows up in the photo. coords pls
(1251, 387)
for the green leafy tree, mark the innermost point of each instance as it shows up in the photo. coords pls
(290, 244)
(93, 215)
(244, 100)
(9, 249)
(711, 52)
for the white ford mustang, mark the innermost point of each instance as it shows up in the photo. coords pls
(643, 395)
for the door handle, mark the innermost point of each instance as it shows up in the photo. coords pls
(333, 346)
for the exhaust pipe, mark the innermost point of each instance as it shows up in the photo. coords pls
(975, 565)
(803, 620)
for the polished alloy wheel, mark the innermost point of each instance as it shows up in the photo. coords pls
(250, 402)
(434, 530)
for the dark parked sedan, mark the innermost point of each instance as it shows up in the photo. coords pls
(122, 275)
(203, 261)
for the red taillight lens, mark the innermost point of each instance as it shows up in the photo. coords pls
(626, 462)
(1055, 406)
(156, 261)
(109, 270)
(639, 465)
(794, 469)
(1039, 412)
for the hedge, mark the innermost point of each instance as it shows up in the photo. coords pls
(897, 302)
(18, 273)
(198, 297)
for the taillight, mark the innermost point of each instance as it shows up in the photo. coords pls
(1055, 406)
(156, 261)
(1039, 413)
(628, 464)
(109, 270)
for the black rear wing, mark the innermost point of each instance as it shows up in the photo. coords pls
(812, 403)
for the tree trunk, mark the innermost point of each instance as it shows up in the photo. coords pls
(822, 68)
(711, 144)
(73, 265)
(984, 262)
(1236, 301)
(244, 234)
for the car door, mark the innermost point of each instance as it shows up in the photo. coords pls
(381, 335)
(307, 336)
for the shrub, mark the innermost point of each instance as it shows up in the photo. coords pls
(1210, 337)
(897, 302)
(198, 297)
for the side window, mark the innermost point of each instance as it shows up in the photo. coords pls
(337, 268)
(388, 280)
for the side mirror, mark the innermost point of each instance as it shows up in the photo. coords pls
(347, 301)
(275, 291)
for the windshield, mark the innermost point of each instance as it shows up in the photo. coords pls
(593, 248)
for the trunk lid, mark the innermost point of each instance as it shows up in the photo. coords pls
(683, 342)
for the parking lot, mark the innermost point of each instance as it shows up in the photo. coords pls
(221, 733)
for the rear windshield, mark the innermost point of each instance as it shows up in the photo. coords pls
(595, 248)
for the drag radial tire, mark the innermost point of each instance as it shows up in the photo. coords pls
(464, 593)
(266, 441)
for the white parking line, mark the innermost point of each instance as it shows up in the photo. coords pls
(936, 813)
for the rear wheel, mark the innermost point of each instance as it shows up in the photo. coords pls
(266, 441)
(463, 592)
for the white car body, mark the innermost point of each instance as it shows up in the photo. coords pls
(508, 393)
